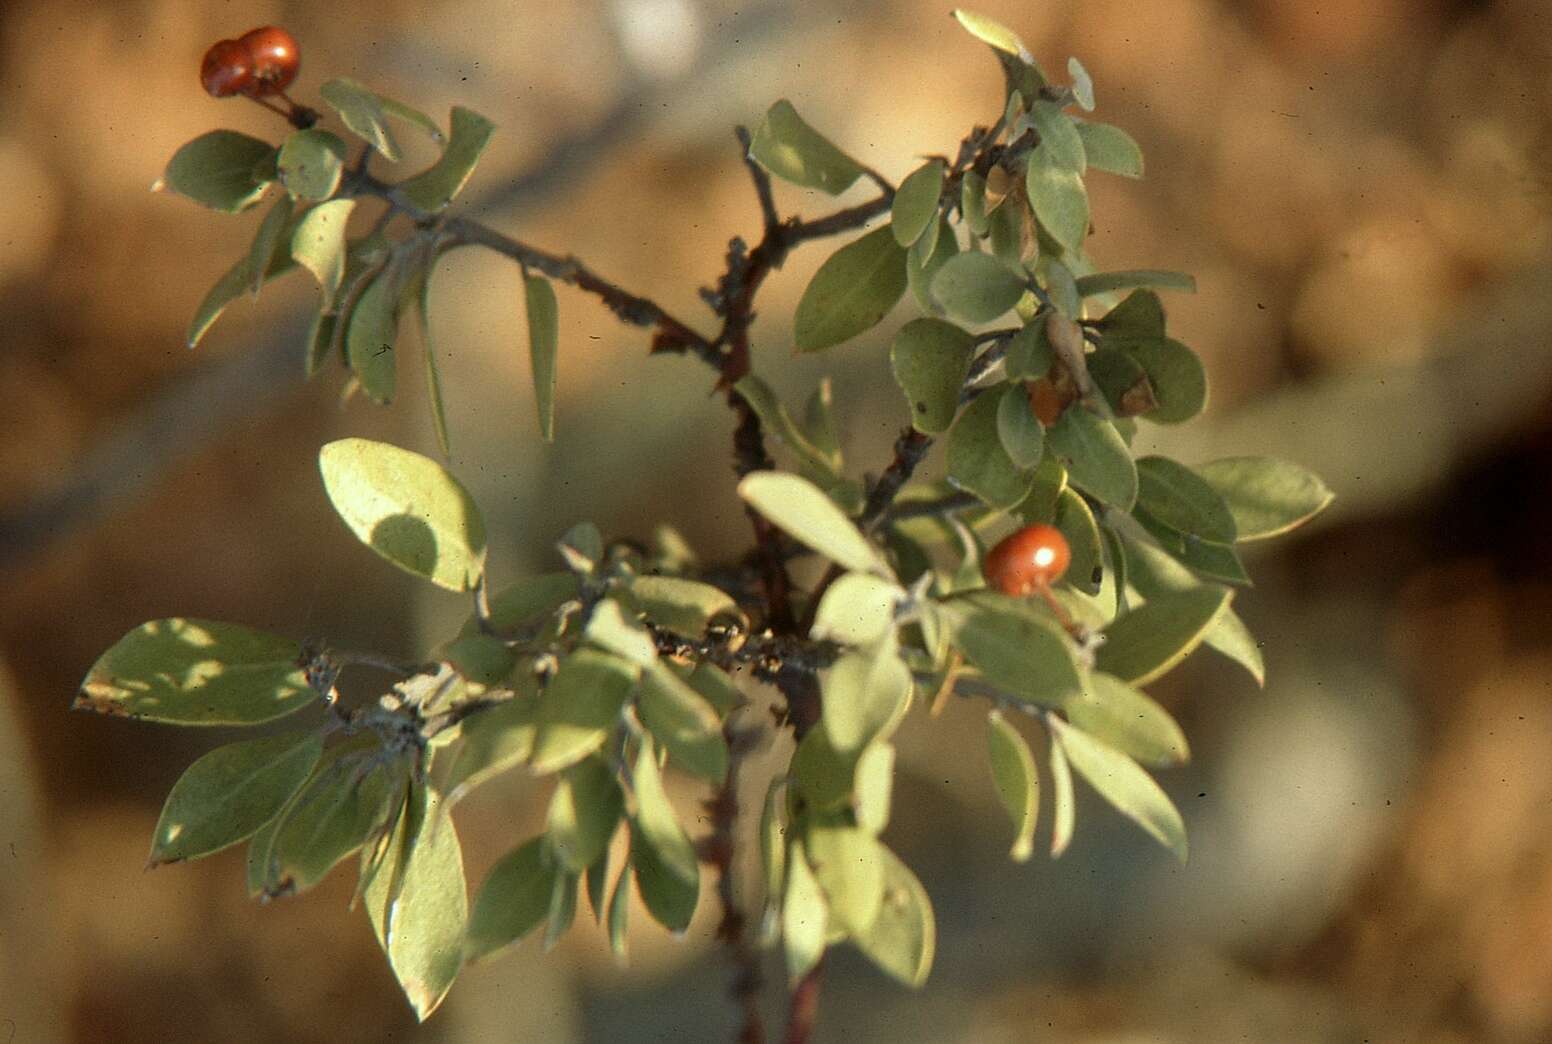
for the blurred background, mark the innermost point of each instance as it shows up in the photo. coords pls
(1363, 189)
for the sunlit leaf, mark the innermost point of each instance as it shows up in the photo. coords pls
(858, 609)
(793, 151)
(855, 288)
(686, 607)
(1110, 149)
(362, 111)
(667, 872)
(863, 691)
(1121, 782)
(875, 778)
(318, 245)
(804, 917)
(434, 188)
(683, 723)
(903, 937)
(1060, 202)
(850, 871)
(803, 511)
(1267, 496)
(1109, 282)
(585, 808)
(1149, 641)
(1128, 720)
(611, 629)
(513, 900)
(197, 672)
(228, 794)
(915, 207)
(578, 708)
(407, 508)
(310, 163)
(1064, 807)
(1082, 84)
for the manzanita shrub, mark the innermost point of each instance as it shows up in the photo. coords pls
(1033, 368)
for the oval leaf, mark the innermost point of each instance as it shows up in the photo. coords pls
(793, 151)
(584, 810)
(310, 164)
(862, 694)
(318, 245)
(543, 348)
(930, 359)
(1059, 200)
(855, 288)
(903, 937)
(221, 170)
(1016, 650)
(371, 333)
(343, 805)
(977, 460)
(804, 917)
(1076, 521)
(1112, 711)
(685, 607)
(228, 794)
(667, 871)
(435, 188)
(1183, 500)
(1267, 496)
(407, 508)
(578, 709)
(513, 900)
(1110, 149)
(858, 609)
(803, 511)
(197, 672)
(1150, 640)
(1017, 427)
(915, 206)
(1176, 373)
(683, 723)
(978, 288)
(1095, 456)
(362, 111)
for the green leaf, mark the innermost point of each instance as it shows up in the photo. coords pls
(619, 912)
(370, 335)
(667, 872)
(922, 264)
(563, 909)
(803, 511)
(1207, 559)
(310, 164)
(978, 288)
(718, 689)
(424, 909)
(362, 111)
(220, 170)
(407, 508)
(236, 281)
(777, 422)
(435, 187)
(915, 207)
(858, 609)
(342, 805)
(903, 937)
(992, 33)
(494, 741)
(1028, 354)
(1112, 711)
(1006, 235)
(582, 546)
(875, 777)
(1015, 649)
(854, 289)
(1183, 500)
(585, 808)
(433, 372)
(972, 203)
(1178, 379)
(1149, 641)
(863, 691)
(513, 900)
(793, 151)
(1110, 149)
(318, 245)
(398, 110)
(1018, 785)
(543, 348)
(257, 861)
(528, 601)
(1139, 317)
(579, 708)
(1096, 458)
(1121, 782)
(1017, 427)
(1076, 521)
(685, 607)
(266, 242)
(1064, 809)
(819, 420)
(1109, 282)
(1061, 286)
(1082, 84)
(611, 630)
(773, 846)
(822, 775)
(1267, 496)
(1123, 382)
(197, 672)
(804, 917)
(930, 359)
(597, 885)
(1060, 147)
(977, 460)
(228, 794)
(850, 871)
(683, 723)
(1059, 200)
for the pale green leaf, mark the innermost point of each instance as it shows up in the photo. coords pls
(777, 423)
(1018, 784)
(1077, 524)
(197, 672)
(610, 629)
(850, 871)
(915, 206)
(579, 708)
(903, 937)
(863, 691)
(318, 245)
(683, 723)
(221, 170)
(1060, 202)
(435, 187)
(667, 872)
(407, 508)
(793, 151)
(978, 288)
(1128, 720)
(804, 917)
(930, 359)
(1095, 456)
(310, 164)
(585, 808)
(362, 111)
(858, 609)
(1110, 282)
(543, 348)
(803, 511)
(1267, 496)
(1111, 149)
(1121, 782)
(513, 900)
(494, 741)
(1017, 650)
(371, 333)
(977, 461)
(685, 607)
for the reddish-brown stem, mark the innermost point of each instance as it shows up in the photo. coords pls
(803, 1012)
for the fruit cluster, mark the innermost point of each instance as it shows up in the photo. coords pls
(259, 62)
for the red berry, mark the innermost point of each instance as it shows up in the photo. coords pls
(275, 56)
(227, 69)
(1026, 561)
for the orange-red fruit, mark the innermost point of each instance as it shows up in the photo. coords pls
(1027, 560)
(227, 69)
(275, 56)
